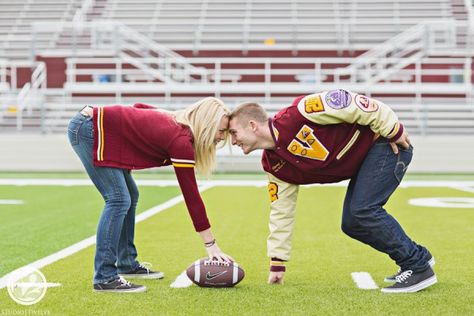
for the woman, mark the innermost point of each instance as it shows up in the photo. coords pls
(111, 141)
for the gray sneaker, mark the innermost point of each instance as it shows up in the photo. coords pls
(119, 285)
(409, 282)
(392, 278)
(143, 272)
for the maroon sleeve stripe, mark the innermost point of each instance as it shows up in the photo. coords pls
(277, 268)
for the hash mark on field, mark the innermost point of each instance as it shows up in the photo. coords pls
(364, 280)
(11, 202)
(181, 281)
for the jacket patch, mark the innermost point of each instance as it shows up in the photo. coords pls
(366, 104)
(276, 167)
(273, 191)
(313, 104)
(338, 99)
(307, 145)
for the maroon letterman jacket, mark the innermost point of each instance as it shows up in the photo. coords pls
(321, 138)
(307, 152)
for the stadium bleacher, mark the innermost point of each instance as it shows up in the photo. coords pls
(16, 18)
(415, 55)
(229, 25)
(285, 24)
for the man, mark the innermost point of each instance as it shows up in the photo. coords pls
(329, 137)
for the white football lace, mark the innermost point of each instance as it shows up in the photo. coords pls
(124, 282)
(146, 265)
(215, 263)
(403, 276)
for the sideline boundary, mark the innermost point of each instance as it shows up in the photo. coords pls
(459, 185)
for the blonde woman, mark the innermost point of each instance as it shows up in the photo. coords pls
(113, 140)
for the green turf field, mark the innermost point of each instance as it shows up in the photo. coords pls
(318, 281)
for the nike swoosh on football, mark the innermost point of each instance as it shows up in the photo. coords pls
(210, 276)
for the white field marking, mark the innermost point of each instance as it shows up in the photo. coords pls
(364, 280)
(30, 284)
(11, 202)
(88, 182)
(464, 188)
(38, 264)
(446, 202)
(181, 281)
(254, 183)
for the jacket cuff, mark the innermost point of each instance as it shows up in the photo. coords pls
(396, 132)
(277, 265)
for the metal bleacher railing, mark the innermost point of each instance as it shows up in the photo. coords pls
(274, 82)
(16, 103)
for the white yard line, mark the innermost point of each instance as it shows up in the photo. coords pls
(87, 182)
(253, 183)
(30, 284)
(38, 264)
(469, 189)
(364, 281)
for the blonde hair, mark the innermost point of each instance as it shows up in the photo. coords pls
(204, 118)
(247, 111)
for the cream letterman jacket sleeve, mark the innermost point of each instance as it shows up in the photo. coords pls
(339, 106)
(283, 198)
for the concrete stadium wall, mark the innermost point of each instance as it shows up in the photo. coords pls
(22, 152)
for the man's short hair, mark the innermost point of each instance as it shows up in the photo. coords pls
(249, 111)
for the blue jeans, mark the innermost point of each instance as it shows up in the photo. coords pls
(115, 249)
(364, 217)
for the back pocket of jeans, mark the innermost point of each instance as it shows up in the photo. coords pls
(73, 130)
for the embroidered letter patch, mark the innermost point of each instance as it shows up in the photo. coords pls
(313, 104)
(273, 191)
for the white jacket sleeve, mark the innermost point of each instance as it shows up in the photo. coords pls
(283, 198)
(342, 106)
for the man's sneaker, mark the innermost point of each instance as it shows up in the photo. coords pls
(119, 285)
(143, 272)
(392, 278)
(409, 282)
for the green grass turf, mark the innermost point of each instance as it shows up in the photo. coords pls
(54, 217)
(318, 280)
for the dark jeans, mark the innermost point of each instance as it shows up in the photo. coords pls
(364, 217)
(115, 250)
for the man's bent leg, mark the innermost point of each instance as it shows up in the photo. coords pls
(364, 217)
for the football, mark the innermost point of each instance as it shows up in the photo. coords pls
(210, 273)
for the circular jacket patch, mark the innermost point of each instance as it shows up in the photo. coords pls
(338, 99)
(366, 104)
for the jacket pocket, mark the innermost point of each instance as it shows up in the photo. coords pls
(348, 145)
